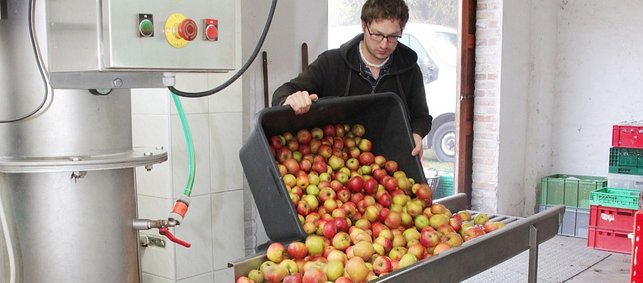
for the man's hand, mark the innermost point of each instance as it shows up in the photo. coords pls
(300, 101)
(417, 150)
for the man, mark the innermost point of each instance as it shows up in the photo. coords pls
(373, 61)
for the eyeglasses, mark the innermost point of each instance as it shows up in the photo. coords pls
(393, 38)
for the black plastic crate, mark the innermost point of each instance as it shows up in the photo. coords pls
(382, 114)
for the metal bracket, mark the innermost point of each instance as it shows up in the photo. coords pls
(146, 240)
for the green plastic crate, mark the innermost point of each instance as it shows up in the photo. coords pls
(626, 161)
(569, 190)
(614, 197)
(445, 187)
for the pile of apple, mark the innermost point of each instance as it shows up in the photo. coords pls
(364, 217)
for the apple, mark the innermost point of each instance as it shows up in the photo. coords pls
(304, 136)
(472, 232)
(330, 229)
(393, 220)
(490, 226)
(274, 273)
(276, 252)
(256, 275)
(441, 247)
(336, 162)
(319, 167)
(437, 220)
(421, 221)
(382, 265)
(465, 215)
(454, 239)
(314, 275)
(411, 234)
(244, 279)
(365, 145)
(315, 245)
(370, 186)
(398, 239)
(429, 238)
(404, 184)
(418, 250)
(407, 260)
(312, 201)
(297, 249)
(309, 227)
(312, 190)
(333, 269)
(294, 278)
(302, 180)
(341, 241)
(378, 174)
(386, 243)
(384, 198)
(366, 158)
(389, 183)
(355, 184)
(356, 269)
(358, 130)
(456, 222)
(342, 177)
(391, 166)
(292, 145)
(337, 255)
(363, 249)
(329, 130)
(325, 150)
(423, 191)
(396, 253)
(480, 218)
(290, 265)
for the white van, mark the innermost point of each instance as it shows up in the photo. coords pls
(436, 47)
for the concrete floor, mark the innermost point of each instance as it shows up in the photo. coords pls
(562, 259)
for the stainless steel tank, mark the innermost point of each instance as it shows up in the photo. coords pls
(67, 177)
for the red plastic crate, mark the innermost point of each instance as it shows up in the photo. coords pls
(628, 136)
(611, 218)
(609, 240)
(636, 272)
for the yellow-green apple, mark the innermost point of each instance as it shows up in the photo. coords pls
(276, 252)
(289, 180)
(312, 190)
(411, 234)
(407, 260)
(382, 265)
(437, 220)
(404, 184)
(465, 215)
(386, 243)
(438, 208)
(365, 145)
(421, 221)
(315, 245)
(341, 241)
(364, 250)
(358, 130)
(407, 219)
(290, 265)
(363, 224)
(309, 227)
(352, 164)
(398, 239)
(414, 207)
(356, 269)
(312, 201)
(333, 269)
(454, 239)
(256, 275)
(396, 253)
(379, 249)
(297, 249)
(336, 162)
(480, 218)
(274, 273)
(445, 228)
(337, 255)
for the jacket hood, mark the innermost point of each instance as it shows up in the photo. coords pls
(404, 58)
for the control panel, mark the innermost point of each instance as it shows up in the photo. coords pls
(142, 35)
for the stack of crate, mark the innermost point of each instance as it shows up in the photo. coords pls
(613, 209)
(573, 191)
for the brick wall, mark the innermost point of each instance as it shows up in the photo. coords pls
(486, 106)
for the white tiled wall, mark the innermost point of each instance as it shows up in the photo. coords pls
(214, 223)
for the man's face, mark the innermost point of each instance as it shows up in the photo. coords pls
(380, 37)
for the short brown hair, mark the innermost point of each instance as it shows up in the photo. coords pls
(385, 10)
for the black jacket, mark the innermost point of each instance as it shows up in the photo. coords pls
(336, 73)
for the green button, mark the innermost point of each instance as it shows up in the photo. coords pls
(146, 27)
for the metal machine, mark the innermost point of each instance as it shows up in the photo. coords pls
(67, 178)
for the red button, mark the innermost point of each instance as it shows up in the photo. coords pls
(188, 29)
(211, 32)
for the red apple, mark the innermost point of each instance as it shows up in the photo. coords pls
(294, 278)
(355, 184)
(382, 264)
(366, 158)
(304, 136)
(390, 166)
(297, 250)
(274, 273)
(314, 275)
(330, 229)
